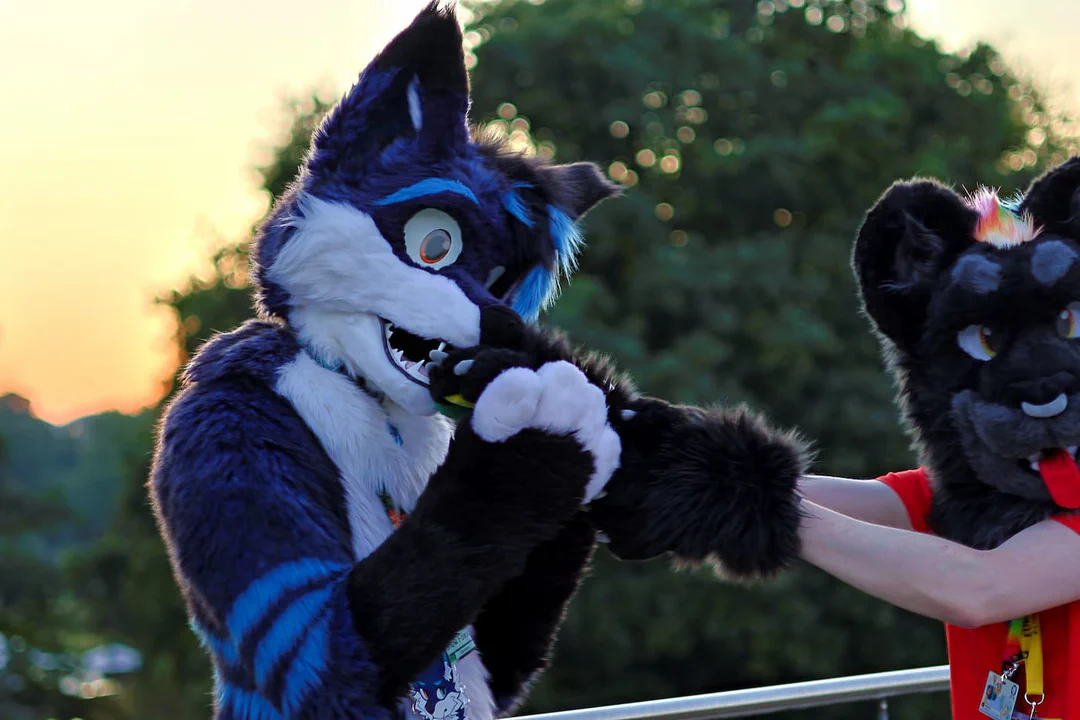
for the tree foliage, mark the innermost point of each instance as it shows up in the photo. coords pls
(751, 137)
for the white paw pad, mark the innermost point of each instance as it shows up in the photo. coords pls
(558, 399)
(507, 404)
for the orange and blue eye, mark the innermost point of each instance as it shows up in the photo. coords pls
(979, 341)
(1068, 321)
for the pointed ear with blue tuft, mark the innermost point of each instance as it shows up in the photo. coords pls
(415, 90)
(581, 185)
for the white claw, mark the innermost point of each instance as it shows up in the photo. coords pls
(437, 356)
(463, 367)
(628, 414)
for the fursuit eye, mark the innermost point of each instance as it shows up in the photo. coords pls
(979, 342)
(440, 693)
(1068, 321)
(432, 239)
(435, 246)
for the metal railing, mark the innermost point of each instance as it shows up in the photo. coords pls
(758, 701)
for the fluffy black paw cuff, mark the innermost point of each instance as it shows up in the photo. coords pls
(713, 486)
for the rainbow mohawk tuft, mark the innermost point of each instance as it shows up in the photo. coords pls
(998, 223)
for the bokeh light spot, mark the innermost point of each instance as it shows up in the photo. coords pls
(498, 128)
(654, 99)
(617, 171)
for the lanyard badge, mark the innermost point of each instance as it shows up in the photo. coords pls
(999, 695)
(1022, 647)
(439, 693)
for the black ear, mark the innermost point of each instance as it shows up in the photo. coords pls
(578, 187)
(416, 89)
(1053, 200)
(907, 240)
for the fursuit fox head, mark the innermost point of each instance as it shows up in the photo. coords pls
(404, 225)
(978, 304)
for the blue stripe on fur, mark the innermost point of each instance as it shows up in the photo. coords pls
(516, 207)
(532, 294)
(307, 667)
(287, 630)
(430, 186)
(260, 596)
(567, 238)
(222, 648)
(244, 705)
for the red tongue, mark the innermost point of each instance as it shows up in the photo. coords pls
(1062, 477)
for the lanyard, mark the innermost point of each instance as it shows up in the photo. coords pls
(1024, 645)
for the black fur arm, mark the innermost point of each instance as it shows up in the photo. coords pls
(700, 484)
(472, 530)
(704, 485)
(516, 629)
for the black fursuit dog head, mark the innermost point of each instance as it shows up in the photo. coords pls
(977, 304)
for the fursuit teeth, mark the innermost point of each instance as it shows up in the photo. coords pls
(412, 355)
(998, 224)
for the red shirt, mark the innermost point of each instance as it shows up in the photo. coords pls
(974, 653)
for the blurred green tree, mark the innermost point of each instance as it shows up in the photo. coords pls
(751, 137)
(35, 610)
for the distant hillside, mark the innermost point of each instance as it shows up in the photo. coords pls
(79, 466)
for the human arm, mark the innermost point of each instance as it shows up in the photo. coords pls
(1036, 569)
(871, 501)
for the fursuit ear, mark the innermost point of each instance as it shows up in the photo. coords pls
(416, 89)
(907, 240)
(578, 187)
(1053, 199)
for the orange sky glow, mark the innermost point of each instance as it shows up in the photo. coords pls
(128, 133)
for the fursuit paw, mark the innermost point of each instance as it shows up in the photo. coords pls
(557, 399)
(714, 486)
(460, 378)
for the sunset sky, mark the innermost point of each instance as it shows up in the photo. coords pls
(128, 129)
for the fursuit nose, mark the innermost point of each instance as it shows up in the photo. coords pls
(1046, 410)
